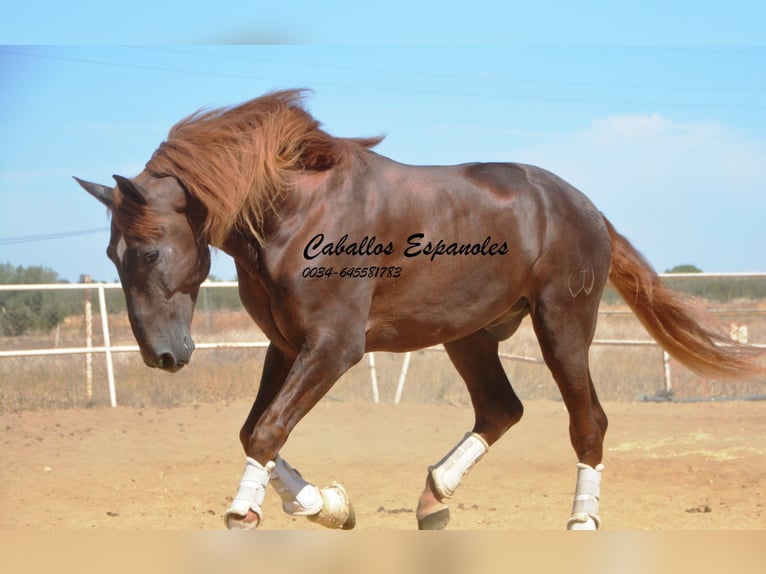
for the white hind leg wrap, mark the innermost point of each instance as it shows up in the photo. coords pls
(449, 471)
(299, 497)
(587, 493)
(252, 490)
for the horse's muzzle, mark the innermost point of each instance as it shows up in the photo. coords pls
(169, 360)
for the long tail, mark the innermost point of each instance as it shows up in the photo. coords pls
(676, 321)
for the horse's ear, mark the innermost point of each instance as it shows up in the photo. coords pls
(130, 189)
(101, 192)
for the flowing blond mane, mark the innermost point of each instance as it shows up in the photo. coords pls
(239, 161)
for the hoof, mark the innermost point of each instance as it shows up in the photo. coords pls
(331, 521)
(436, 521)
(237, 522)
(337, 511)
(584, 521)
(351, 520)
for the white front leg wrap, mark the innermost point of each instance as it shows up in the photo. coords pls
(336, 510)
(449, 471)
(585, 508)
(328, 506)
(299, 497)
(252, 490)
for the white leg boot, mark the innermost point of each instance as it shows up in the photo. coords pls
(252, 490)
(299, 498)
(450, 470)
(327, 506)
(587, 492)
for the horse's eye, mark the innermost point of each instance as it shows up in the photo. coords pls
(151, 256)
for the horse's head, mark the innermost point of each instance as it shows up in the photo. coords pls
(161, 259)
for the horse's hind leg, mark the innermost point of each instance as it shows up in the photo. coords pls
(496, 409)
(565, 324)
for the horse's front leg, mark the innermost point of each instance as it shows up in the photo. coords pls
(317, 366)
(276, 367)
(243, 514)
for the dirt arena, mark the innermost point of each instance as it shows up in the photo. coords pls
(668, 466)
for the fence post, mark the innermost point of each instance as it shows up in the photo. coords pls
(402, 377)
(88, 342)
(373, 377)
(107, 344)
(666, 364)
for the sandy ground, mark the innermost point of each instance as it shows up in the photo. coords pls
(668, 467)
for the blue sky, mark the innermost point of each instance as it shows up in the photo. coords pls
(659, 117)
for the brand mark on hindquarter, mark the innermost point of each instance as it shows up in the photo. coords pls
(581, 280)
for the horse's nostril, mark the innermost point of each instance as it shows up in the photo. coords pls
(167, 361)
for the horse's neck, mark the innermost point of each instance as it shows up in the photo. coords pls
(243, 250)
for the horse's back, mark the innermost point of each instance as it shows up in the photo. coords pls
(549, 224)
(552, 237)
(509, 179)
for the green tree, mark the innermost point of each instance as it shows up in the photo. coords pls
(685, 268)
(25, 310)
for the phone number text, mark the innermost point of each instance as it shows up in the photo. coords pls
(372, 272)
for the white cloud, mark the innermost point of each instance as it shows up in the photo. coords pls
(684, 191)
(652, 149)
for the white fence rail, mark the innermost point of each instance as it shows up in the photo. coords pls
(107, 349)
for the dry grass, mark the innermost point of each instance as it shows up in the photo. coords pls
(620, 373)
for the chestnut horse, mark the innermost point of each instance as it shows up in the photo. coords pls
(340, 251)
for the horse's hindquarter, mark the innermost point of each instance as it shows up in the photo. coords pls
(408, 257)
